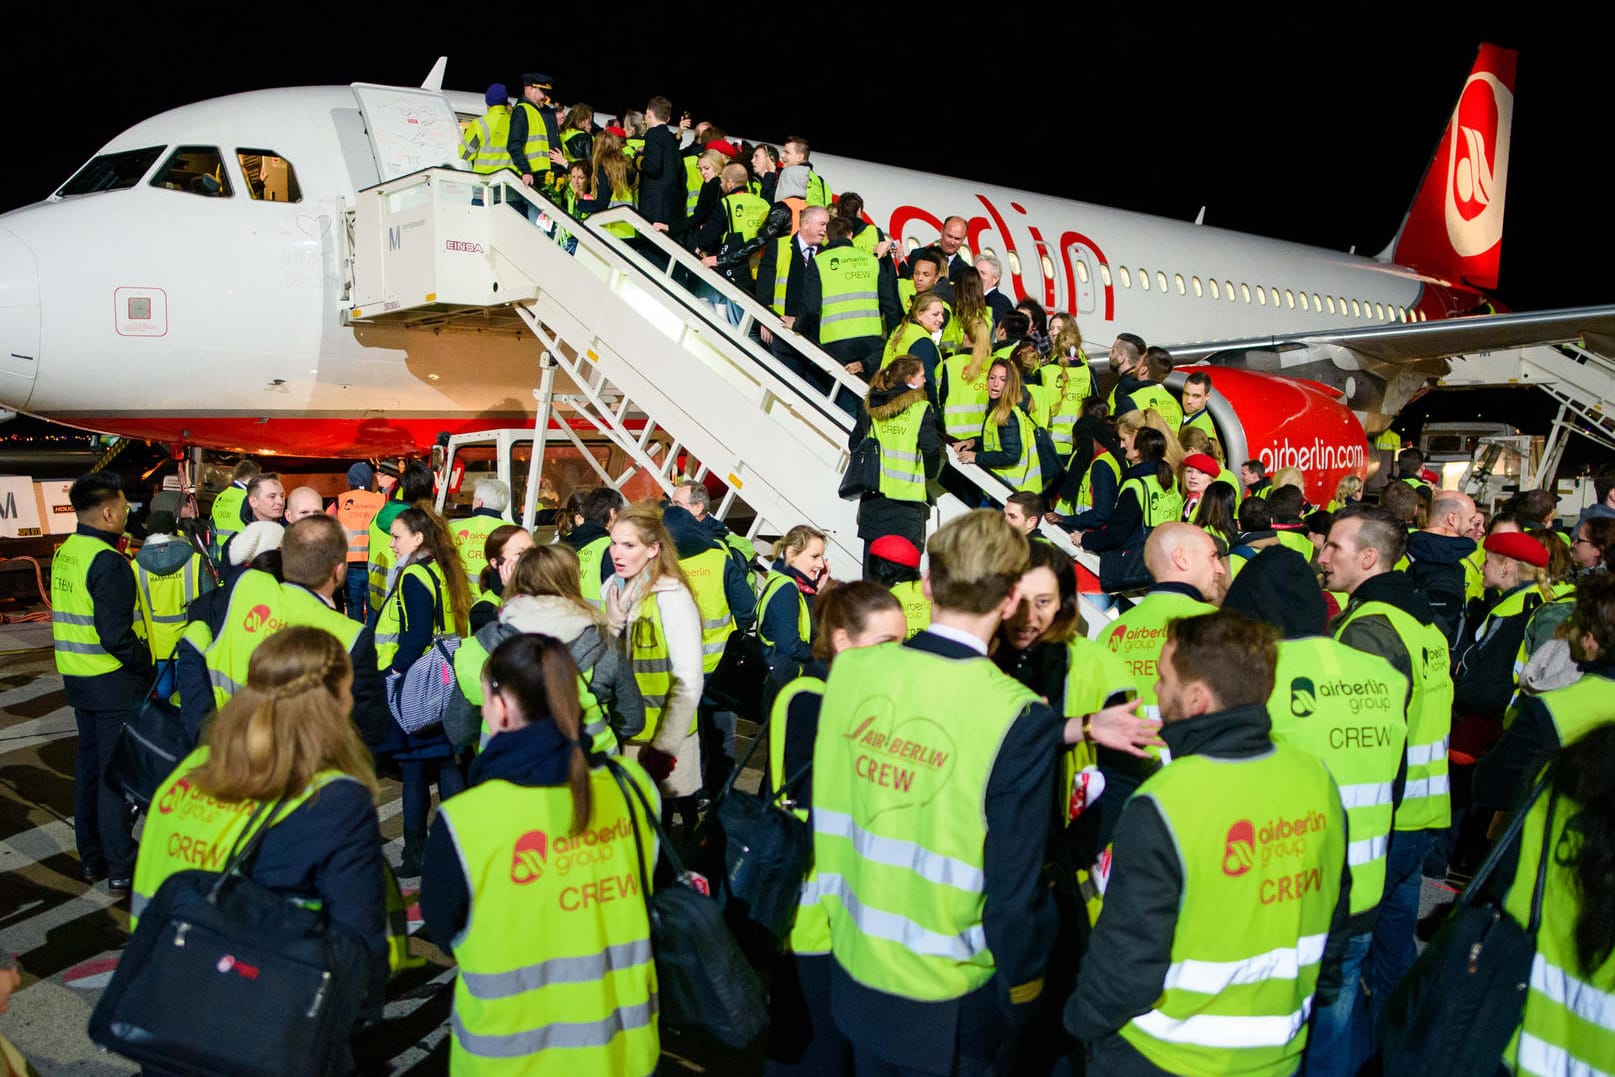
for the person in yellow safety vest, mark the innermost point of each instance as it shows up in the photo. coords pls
(847, 302)
(1348, 492)
(802, 1038)
(744, 214)
(1126, 362)
(916, 335)
(354, 510)
(429, 597)
(1409, 463)
(1483, 680)
(532, 131)
(500, 551)
(727, 604)
(1253, 473)
(894, 562)
(1436, 558)
(590, 539)
(785, 605)
(1196, 400)
(1067, 375)
(649, 606)
(104, 668)
(930, 822)
(1566, 1025)
(1194, 985)
(796, 151)
(1386, 616)
(1007, 446)
(489, 501)
(538, 878)
(1147, 497)
(901, 419)
(414, 488)
(170, 574)
(486, 142)
(323, 848)
(1349, 709)
(226, 516)
(694, 498)
(1092, 471)
(782, 274)
(925, 278)
(1286, 505)
(1142, 388)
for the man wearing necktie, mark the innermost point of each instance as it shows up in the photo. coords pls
(782, 289)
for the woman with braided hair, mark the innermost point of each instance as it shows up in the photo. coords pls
(285, 740)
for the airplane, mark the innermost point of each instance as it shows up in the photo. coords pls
(190, 285)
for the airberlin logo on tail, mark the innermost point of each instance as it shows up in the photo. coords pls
(527, 860)
(1239, 852)
(1477, 164)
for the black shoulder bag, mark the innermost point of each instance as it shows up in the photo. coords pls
(705, 985)
(863, 471)
(151, 744)
(741, 679)
(1460, 1003)
(223, 975)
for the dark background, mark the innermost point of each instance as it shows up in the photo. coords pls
(1308, 124)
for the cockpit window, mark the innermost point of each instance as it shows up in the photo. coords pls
(195, 169)
(270, 177)
(111, 171)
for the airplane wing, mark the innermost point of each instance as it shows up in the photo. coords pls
(1591, 327)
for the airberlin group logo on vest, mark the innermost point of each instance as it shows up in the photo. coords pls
(536, 853)
(1139, 646)
(261, 617)
(1248, 846)
(1356, 696)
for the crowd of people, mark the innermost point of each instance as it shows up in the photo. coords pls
(1191, 839)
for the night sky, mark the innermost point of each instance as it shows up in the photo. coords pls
(1318, 135)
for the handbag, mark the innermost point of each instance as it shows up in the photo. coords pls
(863, 471)
(1123, 569)
(419, 697)
(151, 744)
(1460, 1003)
(704, 984)
(742, 674)
(223, 975)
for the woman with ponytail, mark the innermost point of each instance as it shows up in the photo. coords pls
(899, 416)
(429, 596)
(286, 739)
(544, 864)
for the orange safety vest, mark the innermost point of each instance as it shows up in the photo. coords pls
(354, 510)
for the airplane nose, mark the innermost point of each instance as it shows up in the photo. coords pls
(19, 320)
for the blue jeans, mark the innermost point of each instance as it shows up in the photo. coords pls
(358, 590)
(1393, 949)
(1330, 1052)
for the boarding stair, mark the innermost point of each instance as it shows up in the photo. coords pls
(629, 352)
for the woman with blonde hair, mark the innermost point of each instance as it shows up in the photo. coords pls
(962, 388)
(1007, 445)
(898, 414)
(287, 739)
(648, 605)
(1068, 379)
(915, 335)
(616, 181)
(542, 824)
(785, 607)
(1348, 491)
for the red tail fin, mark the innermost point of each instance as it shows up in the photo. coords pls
(1455, 228)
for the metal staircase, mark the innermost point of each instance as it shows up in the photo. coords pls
(627, 349)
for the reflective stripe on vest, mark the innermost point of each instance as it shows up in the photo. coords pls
(810, 932)
(392, 618)
(1025, 473)
(487, 144)
(898, 817)
(705, 573)
(254, 614)
(902, 470)
(163, 601)
(557, 974)
(78, 646)
(784, 251)
(1238, 991)
(1425, 801)
(1158, 504)
(964, 407)
(1349, 709)
(537, 147)
(850, 302)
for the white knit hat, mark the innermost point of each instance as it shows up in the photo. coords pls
(255, 539)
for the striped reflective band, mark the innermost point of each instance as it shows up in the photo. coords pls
(846, 314)
(715, 647)
(1540, 1056)
(1367, 850)
(899, 929)
(1366, 795)
(218, 679)
(965, 409)
(1152, 711)
(560, 1034)
(896, 853)
(137, 902)
(1214, 977)
(901, 476)
(596, 727)
(558, 970)
(654, 703)
(653, 665)
(1420, 754)
(811, 892)
(1426, 787)
(718, 622)
(1216, 1030)
(58, 617)
(1582, 999)
(71, 647)
(384, 638)
(169, 618)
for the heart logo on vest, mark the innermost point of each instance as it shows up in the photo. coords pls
(899, 761)
(527, 858)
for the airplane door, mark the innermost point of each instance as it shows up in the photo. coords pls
(19, 321)
(1080, 277)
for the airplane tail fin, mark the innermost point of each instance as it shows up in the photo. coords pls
(434, 78)
(1455, 227)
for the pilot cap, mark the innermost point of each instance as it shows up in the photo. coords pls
(497, 94)
(1518, 546)
(539, 79)
(896, 549)
(258, 537)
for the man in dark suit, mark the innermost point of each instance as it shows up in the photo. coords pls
(801, 248)
(992, 272)
(661, 175)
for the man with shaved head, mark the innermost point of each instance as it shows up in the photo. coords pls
(303, 502)
(1436, 559)
(1189, 577)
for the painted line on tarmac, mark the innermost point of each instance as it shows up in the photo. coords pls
(32, 846)
(32, 933)
(37, 731)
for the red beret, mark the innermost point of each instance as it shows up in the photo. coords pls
(616, 130)
(896, 549)
(728, 149)
(1520, 547)
(1201, 462)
